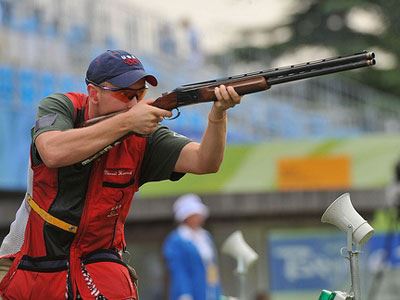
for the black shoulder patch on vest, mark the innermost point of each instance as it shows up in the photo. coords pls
(45, 121)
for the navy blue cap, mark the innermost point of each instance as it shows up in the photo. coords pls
(119, 68)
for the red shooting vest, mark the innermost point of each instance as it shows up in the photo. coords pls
(53, 263)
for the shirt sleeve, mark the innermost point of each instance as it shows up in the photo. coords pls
(55, 112)
(162, 152)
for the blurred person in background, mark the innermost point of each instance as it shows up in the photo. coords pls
(195, 55)
(190, 253)
(6, 11)
(167, 40)
(68, 237)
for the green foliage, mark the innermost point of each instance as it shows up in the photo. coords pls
(326, 24)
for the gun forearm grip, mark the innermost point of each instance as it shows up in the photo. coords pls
(250, 85)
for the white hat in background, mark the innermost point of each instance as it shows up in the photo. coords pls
(188, 205)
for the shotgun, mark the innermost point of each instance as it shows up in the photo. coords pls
(247, 83)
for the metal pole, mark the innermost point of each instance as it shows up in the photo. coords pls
(242, 282)
(241, 273)
(355, 274)
(354, 265)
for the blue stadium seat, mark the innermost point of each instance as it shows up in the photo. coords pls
(26, 85)
(191, 123)
(50, 30)
(15, 128)
(274, 119)
(21, 142)
(79, 85)
(110, 42)
(66, 83)
(6, 159)
(77, 34)
(47, 84)
(6, 84)
(27, 24)
(70, 83)
(318, 125)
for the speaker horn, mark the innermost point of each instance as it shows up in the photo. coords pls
(341, 213)
(236, 247)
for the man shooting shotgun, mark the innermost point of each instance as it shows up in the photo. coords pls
(68, 237)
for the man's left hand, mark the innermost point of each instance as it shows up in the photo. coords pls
(226, 98)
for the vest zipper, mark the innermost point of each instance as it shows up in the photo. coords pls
(115, 229)
(74, 257)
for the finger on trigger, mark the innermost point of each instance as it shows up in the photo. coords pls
(161, 113)
(166, 114)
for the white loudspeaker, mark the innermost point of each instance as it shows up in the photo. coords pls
(236, 246)
(341, 213)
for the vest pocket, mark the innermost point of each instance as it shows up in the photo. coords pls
(104, 273)
(117, 185)
(118, 178)
(32, 277)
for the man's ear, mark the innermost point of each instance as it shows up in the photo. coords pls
(93, 93)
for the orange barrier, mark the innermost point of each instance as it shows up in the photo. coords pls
(321, 172)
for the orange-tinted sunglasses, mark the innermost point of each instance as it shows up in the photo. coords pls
(124, 94)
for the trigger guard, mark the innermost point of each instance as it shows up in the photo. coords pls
(178, 113)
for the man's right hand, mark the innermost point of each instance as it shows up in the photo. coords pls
(143, 118)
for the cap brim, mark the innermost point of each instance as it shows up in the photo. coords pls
(127, 79)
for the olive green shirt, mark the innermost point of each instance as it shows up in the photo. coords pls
(56, 112)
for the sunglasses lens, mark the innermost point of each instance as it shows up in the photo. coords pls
(126, 95)
(132, 94)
